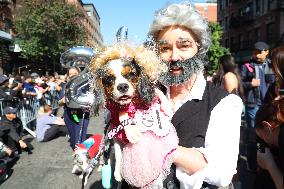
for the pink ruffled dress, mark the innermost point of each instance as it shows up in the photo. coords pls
(147, 163)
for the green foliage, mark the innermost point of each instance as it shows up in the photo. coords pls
(47, 28)
(216, 50)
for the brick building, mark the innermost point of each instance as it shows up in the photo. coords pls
(91, 22)
(95, 18)
(6, 33)
(208, 11)
(246, 21)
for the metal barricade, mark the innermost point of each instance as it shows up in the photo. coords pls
(28, 111)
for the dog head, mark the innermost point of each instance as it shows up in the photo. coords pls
(126, 74)
(81, 158)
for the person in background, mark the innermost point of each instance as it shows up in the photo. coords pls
(48, 126)
(61, 82)
(76, 120)
(277, 88)
(8, 131)
(8, 95)
(228, 76)
(28, 88)
(40, 91)
(269, 126)
(202, 112)
(255, 82)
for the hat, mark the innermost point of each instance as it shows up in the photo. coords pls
(10, 110)
(3, 78)
(261, 46)
(39, 80)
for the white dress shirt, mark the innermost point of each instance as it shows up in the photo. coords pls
(221, 141)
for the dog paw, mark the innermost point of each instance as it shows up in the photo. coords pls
(117, 176)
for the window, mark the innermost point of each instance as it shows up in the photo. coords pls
(257, 34)
(227, 43)
(270, 32)
(226, 3)
(241, 41)
(257, 8)
(232, 44)
(250, 38)
(226, 23)
(220, 3)
(270, 4)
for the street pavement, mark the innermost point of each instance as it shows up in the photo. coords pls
(50, 165)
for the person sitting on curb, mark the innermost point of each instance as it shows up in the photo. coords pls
(8, 132)
(48, 126)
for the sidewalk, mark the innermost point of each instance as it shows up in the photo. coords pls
(50, 165)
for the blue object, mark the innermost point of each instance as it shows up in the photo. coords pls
(89, 143)
(106, 176)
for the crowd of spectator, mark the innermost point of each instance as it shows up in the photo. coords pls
(44, 91)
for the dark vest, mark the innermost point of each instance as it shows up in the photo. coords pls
(191, 123)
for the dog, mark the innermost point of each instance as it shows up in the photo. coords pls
(83, 154)
(125, 77)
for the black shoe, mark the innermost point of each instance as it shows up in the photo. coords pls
(29, 148)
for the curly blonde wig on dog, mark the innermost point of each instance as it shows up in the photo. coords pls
(145, 58)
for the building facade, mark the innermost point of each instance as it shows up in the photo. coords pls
(94, 37)
(247, 21)
(6, 33)
(208, 11)
(95, 18)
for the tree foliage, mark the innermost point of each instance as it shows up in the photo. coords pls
(47, 28)
(216, 50)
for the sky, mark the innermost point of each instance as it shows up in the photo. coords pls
(136, 15)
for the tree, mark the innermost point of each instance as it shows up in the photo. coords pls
(216, 50)
(47, 28)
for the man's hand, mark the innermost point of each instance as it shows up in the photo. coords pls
(133, 133)
(8, 151)
(255, 82)
(22, 144)
(265, 160)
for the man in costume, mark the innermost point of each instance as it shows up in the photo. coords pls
(207, 119)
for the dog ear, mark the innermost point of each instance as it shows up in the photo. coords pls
(145, 88)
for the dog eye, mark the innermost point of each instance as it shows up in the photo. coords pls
(108, 80)
(131, 75)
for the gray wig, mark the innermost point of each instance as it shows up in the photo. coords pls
(183, 14)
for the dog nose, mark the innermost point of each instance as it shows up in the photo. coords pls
(123, 87)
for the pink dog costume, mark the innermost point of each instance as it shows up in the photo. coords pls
(146, 163)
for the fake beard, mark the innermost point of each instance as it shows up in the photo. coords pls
(189, 67)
